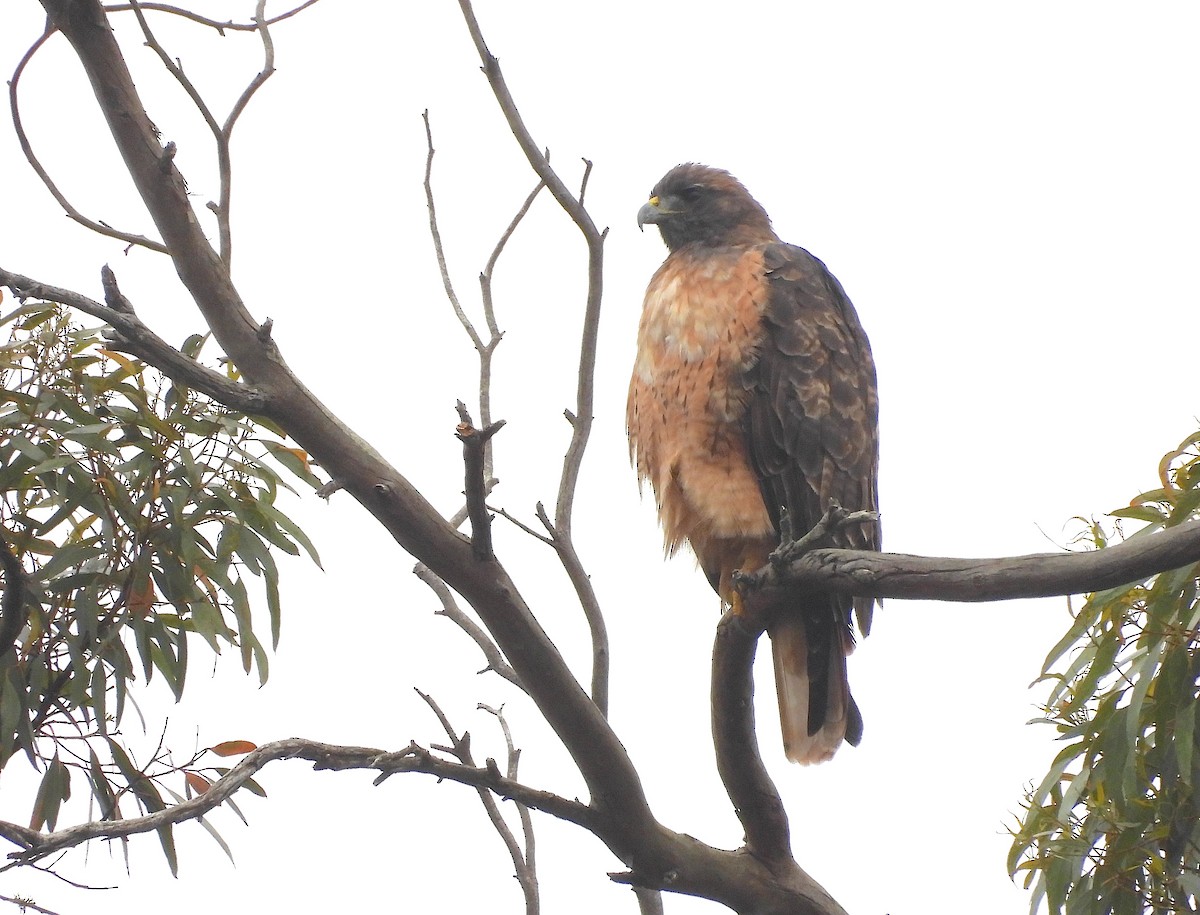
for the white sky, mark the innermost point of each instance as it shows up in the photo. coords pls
(1007, 192)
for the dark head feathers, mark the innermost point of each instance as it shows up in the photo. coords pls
(695, 204)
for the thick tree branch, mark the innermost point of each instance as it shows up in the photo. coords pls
(755, 798)
(897, 575)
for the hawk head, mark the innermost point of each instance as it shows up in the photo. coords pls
(695, 204)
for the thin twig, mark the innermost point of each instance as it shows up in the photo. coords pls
(438, 249)
(221, 133)
(221, 27)
(525, 864)
(450, 609)
(521, 525)
(581, 417)
(585, 592)
(461, 749)
(485, 278)
(27, 148)
(226, 133)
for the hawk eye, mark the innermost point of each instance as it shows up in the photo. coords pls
(691, 192)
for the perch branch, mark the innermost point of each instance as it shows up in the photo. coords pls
(755, 798)
(898, 575)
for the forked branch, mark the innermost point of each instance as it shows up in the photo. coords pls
(580, 418)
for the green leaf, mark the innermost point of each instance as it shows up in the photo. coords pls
(208, 827)
(167, 838)
(55, 788)
(101, 787)
(1140, 513)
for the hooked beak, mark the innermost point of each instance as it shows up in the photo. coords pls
(652, 211)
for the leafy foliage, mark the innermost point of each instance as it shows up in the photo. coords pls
(1114, 827)
(133, 513)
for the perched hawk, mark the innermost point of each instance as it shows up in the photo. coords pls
(754, 391)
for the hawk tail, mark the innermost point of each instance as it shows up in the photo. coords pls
(816, 709)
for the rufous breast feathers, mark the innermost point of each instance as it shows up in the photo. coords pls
(699, 334)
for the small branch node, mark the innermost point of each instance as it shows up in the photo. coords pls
(113, 296)
(329, 489)
(167, 159)
(474, 442)
(264, 330)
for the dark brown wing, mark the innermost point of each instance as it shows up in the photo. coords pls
(813, 416)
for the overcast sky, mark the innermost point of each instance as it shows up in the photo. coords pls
(1007, 191)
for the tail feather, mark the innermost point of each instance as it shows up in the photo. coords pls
(816, 710)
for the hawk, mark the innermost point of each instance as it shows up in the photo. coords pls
(754, 392)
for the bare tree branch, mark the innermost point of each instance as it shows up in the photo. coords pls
(523, 865)
(475, 443)
(27, 148)
(413, 758)
(439, 249)
(897, 575)
(527, 873)
(221, 27)
(132, 336)
(755, 798)
(221, 133)
(581, 417)
(451, 610)
(26, 905)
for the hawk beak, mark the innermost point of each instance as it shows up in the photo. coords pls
(649, 212)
